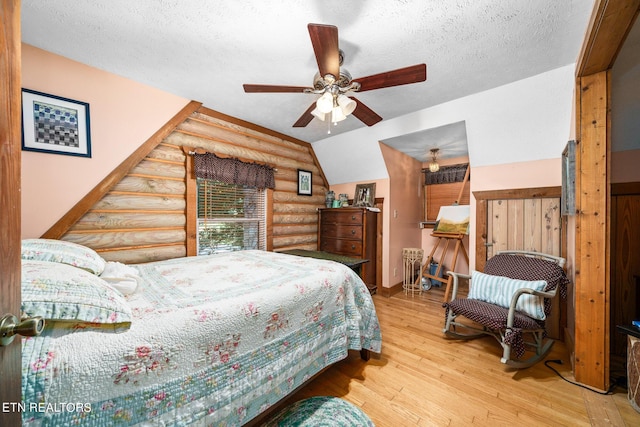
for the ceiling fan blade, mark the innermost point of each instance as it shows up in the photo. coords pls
(272, 88)
(365, 114)
(305, 118)
(401, 76)
(324, 39)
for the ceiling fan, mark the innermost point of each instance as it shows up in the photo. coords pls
(334, 83)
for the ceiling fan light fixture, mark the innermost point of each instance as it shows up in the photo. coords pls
(346, 104)
(318, 114)
(337, 115)
(324, 104)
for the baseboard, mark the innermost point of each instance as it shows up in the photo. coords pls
(389, 292)
(568, 341)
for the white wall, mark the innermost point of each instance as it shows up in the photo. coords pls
(523, 121)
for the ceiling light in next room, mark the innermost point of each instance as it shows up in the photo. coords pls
(433, 164)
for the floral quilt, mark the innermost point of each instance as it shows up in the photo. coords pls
(214, 340)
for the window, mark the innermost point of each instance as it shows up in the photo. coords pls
(444, 188)
(229, 204)
(230, 217)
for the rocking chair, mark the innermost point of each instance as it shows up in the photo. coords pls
(510, 302)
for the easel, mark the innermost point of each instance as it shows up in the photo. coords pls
(445, 238)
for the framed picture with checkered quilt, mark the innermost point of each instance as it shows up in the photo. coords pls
(53, 124)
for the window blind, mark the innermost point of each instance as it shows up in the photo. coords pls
(230, 217)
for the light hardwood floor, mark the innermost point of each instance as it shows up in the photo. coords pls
(423, 379)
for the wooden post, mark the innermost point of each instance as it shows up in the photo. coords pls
(464, 182)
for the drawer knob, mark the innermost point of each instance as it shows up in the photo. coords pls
(353, 246)
(353, 217)
(353, 231)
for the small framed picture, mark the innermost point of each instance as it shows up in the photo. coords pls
(52, 124)
(304, 182)
(365, 195)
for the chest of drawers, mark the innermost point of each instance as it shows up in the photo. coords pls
(352, 232)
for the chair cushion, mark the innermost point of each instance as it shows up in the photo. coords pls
(494, 318)
(499, 290)
(321, 411)
(491, 315)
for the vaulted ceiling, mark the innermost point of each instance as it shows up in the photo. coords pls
(206, 51)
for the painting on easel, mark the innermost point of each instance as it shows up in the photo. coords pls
(453, 219)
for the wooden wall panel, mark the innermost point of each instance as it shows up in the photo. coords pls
(524, 224)
(143, 253)
(532, 237)
(127, 238)
(551, 237)
(142, 184)
(121, 219)
(516, 214)
(500, 225)
(142, 217)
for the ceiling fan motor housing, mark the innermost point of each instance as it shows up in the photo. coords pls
(321, 83)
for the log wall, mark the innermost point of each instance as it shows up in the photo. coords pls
(142, 216)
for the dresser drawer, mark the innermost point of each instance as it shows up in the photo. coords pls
(341, 246)
(345, 231)
(342, 217)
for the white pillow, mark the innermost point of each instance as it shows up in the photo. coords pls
(122, 277)
(499, 290)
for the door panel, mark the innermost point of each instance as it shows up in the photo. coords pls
(625, 267)
(10, 371)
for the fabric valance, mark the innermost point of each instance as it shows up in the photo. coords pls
(446, 174)
(233, 171)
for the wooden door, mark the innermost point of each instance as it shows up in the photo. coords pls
(625, 265)
(523, 224)
(527, 218)
(10, 370)
(522, 219)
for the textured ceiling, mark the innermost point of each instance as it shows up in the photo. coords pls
(206, 50)
(450, 140)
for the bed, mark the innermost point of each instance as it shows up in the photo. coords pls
(211, 340)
